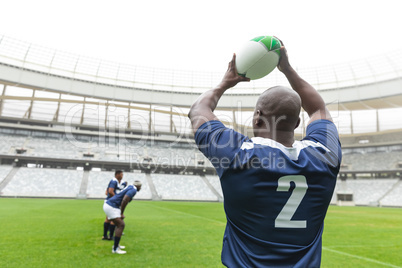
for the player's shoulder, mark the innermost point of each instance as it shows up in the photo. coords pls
(129, 187)
(209, 127)
(321, 124)
(113, 182)
(130, 190)
(322, 136)
(211, 123)
(324, 131)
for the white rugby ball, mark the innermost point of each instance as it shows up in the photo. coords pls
(258, 57)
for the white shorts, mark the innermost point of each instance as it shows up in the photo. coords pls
(111, 212)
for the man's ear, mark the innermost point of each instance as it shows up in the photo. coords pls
(257, 118)
(298, 123)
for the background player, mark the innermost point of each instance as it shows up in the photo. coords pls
(276, 190)
(114, 208)
(114, 187)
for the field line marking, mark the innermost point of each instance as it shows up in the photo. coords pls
(361, 246)
(185, 213)
(362, 258)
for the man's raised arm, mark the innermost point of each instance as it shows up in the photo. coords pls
(203, 108)
(312, 101)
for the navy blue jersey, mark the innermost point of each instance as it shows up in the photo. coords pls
(115, 201)
(116, 185)
(275, 197)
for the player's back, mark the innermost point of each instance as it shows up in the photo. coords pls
(275, 197)
(278, 199)
(116, 200)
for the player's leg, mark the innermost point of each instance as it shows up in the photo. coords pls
(119, 222)
(112, 228)
(106, 227)
(114, 214)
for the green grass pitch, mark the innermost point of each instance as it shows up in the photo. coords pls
(67, 233)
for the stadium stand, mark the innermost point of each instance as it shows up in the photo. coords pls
(171, 156)
(8, 143)
(4, 170)
(394, 197)
(361, 162)
(59, 148)
(182, 187)
(51, 147)
(214, 181)
(369, 191)
(37, 182)
(365, 164)
(372, 161)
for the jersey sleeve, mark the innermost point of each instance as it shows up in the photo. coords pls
(131, 192)
(219, 144)
(112, 184)
(325, 132)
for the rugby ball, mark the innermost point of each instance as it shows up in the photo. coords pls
(258, 57)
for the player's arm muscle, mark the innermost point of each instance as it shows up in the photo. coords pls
(110, 190)
(124, 202)
(312, 101)
(203, 108)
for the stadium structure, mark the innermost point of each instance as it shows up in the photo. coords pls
(68, 121)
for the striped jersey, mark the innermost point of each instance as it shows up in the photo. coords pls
(116, 185)
(275, 197)
(115, 201)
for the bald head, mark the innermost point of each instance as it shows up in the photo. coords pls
(277, 108)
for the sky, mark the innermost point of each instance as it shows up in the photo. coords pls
(202, 35)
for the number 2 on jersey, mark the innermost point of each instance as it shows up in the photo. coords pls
(284, 219)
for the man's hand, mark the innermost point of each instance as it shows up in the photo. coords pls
(312, 102)
(231, 77)
(283, 64)
(122, 216)
(203, 108)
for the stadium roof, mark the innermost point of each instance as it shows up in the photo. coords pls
(369, 83)
(55, 77)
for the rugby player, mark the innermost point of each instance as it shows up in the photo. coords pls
(114, 187)
(114, 208)
(276, 190)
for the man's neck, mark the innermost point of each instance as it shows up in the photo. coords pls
(286, 138)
